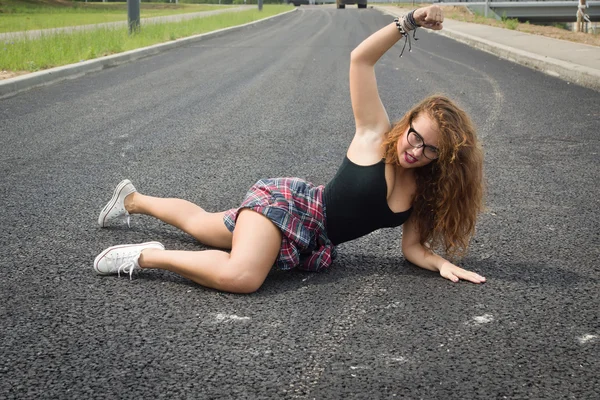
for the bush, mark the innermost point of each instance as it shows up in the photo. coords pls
(561, 25)
(511, 23)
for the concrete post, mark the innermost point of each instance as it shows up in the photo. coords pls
(580, 13)
(133, 15)
(260, 5)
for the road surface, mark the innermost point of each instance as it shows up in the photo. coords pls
(204, 122)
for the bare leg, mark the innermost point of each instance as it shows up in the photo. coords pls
(256, 244)
(206, 227)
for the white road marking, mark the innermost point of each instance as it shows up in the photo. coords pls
(225, 317)
(393, 305)
(483, 319)
(586, 338)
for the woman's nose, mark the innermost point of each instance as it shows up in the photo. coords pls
(418, 152)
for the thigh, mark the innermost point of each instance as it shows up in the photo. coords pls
(255, 247)
(209, 228)
(220, 235)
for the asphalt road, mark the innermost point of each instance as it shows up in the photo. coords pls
(206, 121)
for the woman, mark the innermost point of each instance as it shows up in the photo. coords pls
(425, 172)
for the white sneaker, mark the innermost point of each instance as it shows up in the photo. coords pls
(115, 208)
(123, 258)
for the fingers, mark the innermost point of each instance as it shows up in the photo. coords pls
(450, 276)
(434, 17)
(431, 17)
(457, 274)
(436, 26)
(470, 276)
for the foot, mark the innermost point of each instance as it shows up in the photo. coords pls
(115, 210)
(123, 258)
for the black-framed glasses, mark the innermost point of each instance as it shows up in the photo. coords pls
(416, 141)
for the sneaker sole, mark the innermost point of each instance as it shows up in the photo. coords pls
(99, 257)
(112, 202)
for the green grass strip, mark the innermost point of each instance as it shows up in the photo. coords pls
(21, 18)
(58, 49)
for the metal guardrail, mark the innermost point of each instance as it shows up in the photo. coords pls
(524, 10)
(537, 11)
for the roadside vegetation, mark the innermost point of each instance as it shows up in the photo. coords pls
(20, 56)
(557, 31)
(24, 15)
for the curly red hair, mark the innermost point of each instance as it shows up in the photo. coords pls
(450, 190)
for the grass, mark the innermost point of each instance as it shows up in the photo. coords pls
(509, 23)
(23, 15)
(58, 49)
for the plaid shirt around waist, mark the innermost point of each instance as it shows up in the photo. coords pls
(297, 208)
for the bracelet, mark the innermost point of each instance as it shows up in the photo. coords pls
(399, 26)
(411, 19)
(405, 24)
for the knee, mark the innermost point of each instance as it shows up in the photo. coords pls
(243, 282)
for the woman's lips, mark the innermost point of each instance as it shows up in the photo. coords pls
(409, 159)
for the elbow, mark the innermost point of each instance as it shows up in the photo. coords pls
(408, 252)
(415, 253)
(358, 57)
(420, 256)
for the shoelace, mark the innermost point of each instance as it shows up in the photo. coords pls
(407, 39)
(126, 262)
(127, 268)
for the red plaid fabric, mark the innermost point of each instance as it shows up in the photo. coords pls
(297, 208)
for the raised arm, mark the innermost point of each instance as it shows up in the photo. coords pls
(369, 112)
(427, 259)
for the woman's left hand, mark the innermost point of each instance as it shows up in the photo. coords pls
(430, 17)
(454, 273)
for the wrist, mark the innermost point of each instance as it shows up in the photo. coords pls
(444, 264)
(406, 23)
(418, 15)
(410, 17)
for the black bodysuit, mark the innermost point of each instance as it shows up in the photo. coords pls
(356, 202)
